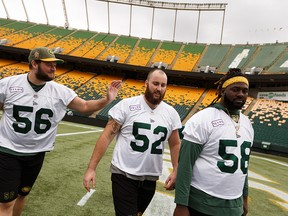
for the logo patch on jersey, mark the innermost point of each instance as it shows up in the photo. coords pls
(217, 122)
(16, 89)
(135, 107)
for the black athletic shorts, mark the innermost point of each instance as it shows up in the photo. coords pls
(131, 197)
(18, 174)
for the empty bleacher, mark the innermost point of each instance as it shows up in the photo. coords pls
(270, 121)
(7, 29)
(74, 79)
(26, 34)
(96, 87)
(72, 41)
(10, 68)
(281, 66)
(131, 88)
(214, 55)
(207, 100)
(143, 52)
(121, 48)
(266, 55)
(188, 57)
(182, 98)
(99, 43)
(237, 58)
(166, 53)
(44, 39)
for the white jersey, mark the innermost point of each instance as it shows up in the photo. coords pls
(143, 135)
(222, 165)
(30, 118)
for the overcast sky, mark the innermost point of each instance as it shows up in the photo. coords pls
(252, 21)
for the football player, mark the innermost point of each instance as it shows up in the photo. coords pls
(33, 105)
(142, 125)
(214, 154)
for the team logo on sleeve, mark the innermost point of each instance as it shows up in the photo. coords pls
(134, 107)
(217, 122)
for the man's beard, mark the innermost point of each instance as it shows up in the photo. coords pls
(40, 75)
(231, 105)
(149, 96)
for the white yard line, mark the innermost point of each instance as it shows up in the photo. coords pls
(78, 125)
(85, 198)
(76, 133)
(270, 160)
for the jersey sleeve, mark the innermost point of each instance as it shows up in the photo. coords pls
(189, 152)
(68, 96)
(176, 121)
(196, 129)
(2, 90)
(117, 112)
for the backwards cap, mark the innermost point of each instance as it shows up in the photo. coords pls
(43, 54)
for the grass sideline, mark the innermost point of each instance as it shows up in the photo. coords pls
(59, 187)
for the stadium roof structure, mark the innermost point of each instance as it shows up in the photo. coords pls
(172, 5)
(86, 14)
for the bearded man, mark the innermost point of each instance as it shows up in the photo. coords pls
(142, 125)
(33, 105)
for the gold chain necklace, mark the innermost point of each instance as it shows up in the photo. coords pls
(235, 119)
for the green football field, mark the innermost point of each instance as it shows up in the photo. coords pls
(58, 190)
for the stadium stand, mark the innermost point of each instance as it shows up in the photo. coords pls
(208, 98)
(96, 88)
(121, 48)
(4, 62)
(166, 53)
(237, 57)
(72, 41)
(281, 65)
(86, 46)
(143, 52)
(213, 56)
(266, 55)
(131, 88)
(26, 34)
(188, 57)
(99, 44)
(60, 71)
(270, 122)
(8, 29)
(182, 98)
(10, 69)
(44, 39)
(4, 22)
(16, 32)
(74, 79)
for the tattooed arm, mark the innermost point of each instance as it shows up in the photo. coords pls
(112, 128)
